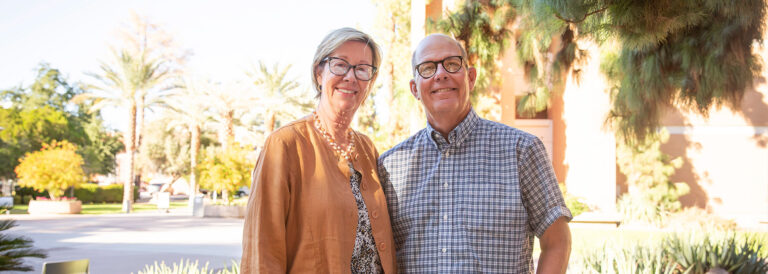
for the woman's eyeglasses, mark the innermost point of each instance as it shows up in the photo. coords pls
(340, 67)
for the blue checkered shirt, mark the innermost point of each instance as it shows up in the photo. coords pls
(472, 205)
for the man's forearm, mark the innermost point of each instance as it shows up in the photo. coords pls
(555, 248)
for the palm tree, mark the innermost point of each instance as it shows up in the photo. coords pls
(280, 97)
(190, 109)
(13, 249)
(126, 84)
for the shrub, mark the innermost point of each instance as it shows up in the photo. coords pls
(573, 203)
(13, 249)
(225, 171)
(92, 193)
(54, 168)
(683, 253)
(187, 267)
(652, 196)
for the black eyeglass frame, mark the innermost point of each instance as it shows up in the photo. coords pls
(349, 66)
(442, 63)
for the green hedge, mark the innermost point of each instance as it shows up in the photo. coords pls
(93, 193)
(87, 193)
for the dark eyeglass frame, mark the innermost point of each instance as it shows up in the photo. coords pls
(350, 66)
(442, 63)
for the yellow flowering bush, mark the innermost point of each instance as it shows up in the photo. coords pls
(54, 168)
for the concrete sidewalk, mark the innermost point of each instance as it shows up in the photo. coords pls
(125, 243)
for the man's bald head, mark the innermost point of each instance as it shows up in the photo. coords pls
(431, 37)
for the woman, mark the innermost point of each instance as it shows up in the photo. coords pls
(316, 205)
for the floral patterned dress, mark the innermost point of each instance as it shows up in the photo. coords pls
(365, 257)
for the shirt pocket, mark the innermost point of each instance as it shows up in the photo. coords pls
(490, 210)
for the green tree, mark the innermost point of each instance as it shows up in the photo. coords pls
(693, 54)
(41, 113)
(54, 168)
(225, 170)
(166, 150)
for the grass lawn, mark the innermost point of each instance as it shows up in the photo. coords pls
(108, 208)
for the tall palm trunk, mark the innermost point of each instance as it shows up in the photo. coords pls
(130, 147)
(270, 123)
(139, 134)
(193, 164)
(230, 142)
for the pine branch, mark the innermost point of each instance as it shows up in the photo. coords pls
(583, 18)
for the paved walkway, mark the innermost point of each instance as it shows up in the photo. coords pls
(125, 243)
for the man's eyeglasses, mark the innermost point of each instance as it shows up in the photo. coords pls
(340, 67)
(428, 69)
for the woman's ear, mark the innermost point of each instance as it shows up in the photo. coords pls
(318, 74)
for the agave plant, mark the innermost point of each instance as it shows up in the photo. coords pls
(13, 249)
(188, 267)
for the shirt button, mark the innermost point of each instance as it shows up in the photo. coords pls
(444, 250)
(447, 153)
(381, 246)
(445, 217)
(375, 214)
(445, 185)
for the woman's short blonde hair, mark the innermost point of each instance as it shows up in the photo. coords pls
(333, 41)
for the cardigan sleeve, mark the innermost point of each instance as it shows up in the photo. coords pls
(264, 230)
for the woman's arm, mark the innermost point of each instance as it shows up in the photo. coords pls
(264, 245)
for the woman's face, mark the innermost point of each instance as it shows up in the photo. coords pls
(345, 93)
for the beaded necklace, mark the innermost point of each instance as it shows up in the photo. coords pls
(346, 153)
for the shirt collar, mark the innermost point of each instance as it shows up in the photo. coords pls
(458, 134)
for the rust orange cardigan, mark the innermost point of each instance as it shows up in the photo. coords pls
(302, 216)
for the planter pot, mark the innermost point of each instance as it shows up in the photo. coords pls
(224, 211)
(54, 207)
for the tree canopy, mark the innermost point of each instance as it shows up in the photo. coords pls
(694, 54)
(41, 113)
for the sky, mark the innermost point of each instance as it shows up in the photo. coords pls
(225, 37)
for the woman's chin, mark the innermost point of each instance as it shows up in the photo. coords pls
(345, 107)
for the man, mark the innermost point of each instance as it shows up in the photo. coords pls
(467, 195)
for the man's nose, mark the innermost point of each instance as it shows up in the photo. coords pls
(441, 73)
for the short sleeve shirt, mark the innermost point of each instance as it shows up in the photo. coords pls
(472, 203)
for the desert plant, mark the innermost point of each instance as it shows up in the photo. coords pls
(188, 267)
(54, 168)
(14, 249)
(698, 253)
(683, 253)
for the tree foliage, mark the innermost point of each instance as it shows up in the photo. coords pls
(225, 170)
(54, 168)
(166, 150)
(41, 113)
(694, 54)
(652, 196)
(484, 28)
(281, 98)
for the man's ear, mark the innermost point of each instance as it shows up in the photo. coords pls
(414, 90)
(472, 74)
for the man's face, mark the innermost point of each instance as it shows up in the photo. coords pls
(444, 93)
